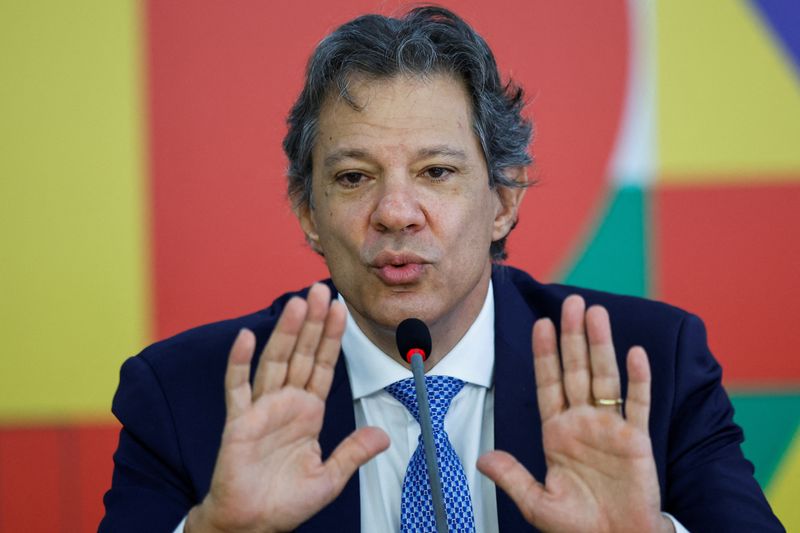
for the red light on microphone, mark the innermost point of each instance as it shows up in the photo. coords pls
(414, 351)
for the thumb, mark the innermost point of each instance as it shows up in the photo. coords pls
(509, 474)
(358, 448)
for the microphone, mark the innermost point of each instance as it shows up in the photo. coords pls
(413, 337)
(414, 342)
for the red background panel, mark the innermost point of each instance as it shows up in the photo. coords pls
(222, 77)
(94, 464)
(726, 253)
(53, 478)
(32, 494)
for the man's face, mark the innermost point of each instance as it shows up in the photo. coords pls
(403, 212)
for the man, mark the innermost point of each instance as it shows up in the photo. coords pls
(407, 169)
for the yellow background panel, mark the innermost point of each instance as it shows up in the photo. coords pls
(728, 98)
(784, 489)
(73, 288)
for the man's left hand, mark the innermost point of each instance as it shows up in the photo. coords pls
(601, 474)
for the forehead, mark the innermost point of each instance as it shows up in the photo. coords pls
(397, 113)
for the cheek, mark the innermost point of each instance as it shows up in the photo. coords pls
(468, 236)
(339, 228)
(479, 219)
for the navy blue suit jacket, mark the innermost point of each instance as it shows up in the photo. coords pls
(171, 405)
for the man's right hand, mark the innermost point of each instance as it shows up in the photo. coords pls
(269, 474)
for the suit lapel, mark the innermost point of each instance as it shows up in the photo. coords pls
(517, 426)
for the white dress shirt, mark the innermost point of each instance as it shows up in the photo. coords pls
(370, 370)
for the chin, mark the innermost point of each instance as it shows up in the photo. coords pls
(389, 312)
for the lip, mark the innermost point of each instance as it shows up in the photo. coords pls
(398, 268)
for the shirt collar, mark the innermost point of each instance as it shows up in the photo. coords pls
(471, 359)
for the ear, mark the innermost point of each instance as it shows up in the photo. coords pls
(305, 214)
(509, 200)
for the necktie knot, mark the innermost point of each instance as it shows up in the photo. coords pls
(441, 391)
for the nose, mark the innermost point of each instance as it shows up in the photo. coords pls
(399, 208)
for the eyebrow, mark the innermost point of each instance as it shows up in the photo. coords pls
(340, 155)
(444, 150)
(423, 153)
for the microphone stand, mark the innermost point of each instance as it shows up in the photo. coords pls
(427, 442)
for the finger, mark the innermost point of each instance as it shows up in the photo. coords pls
(274, 363)
(605, 373)
(302, 360)
(637, 404)
(328, 351)
(509, 474)
(547, 368)
(358, 448)
(237, 374)
(575, 351)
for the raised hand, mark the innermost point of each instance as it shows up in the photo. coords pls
(269, 474)
(601, 474)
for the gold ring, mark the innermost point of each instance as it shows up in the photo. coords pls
(608, 402)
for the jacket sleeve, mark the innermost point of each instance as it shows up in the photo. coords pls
(710, 483)
(150, 490)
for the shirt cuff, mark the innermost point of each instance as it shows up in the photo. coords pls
(678, 526)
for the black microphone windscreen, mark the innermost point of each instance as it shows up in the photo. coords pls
(413, 333)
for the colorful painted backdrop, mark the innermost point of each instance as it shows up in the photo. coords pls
(142, 192)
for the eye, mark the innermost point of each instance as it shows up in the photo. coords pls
(437, 173)
(351, 180)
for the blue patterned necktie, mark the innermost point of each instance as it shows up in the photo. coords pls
(416, 506)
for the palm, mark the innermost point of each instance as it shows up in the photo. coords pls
(273, 466)
(591, 461)
(601, 473)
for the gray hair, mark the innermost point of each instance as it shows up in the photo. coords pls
(427, 40)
